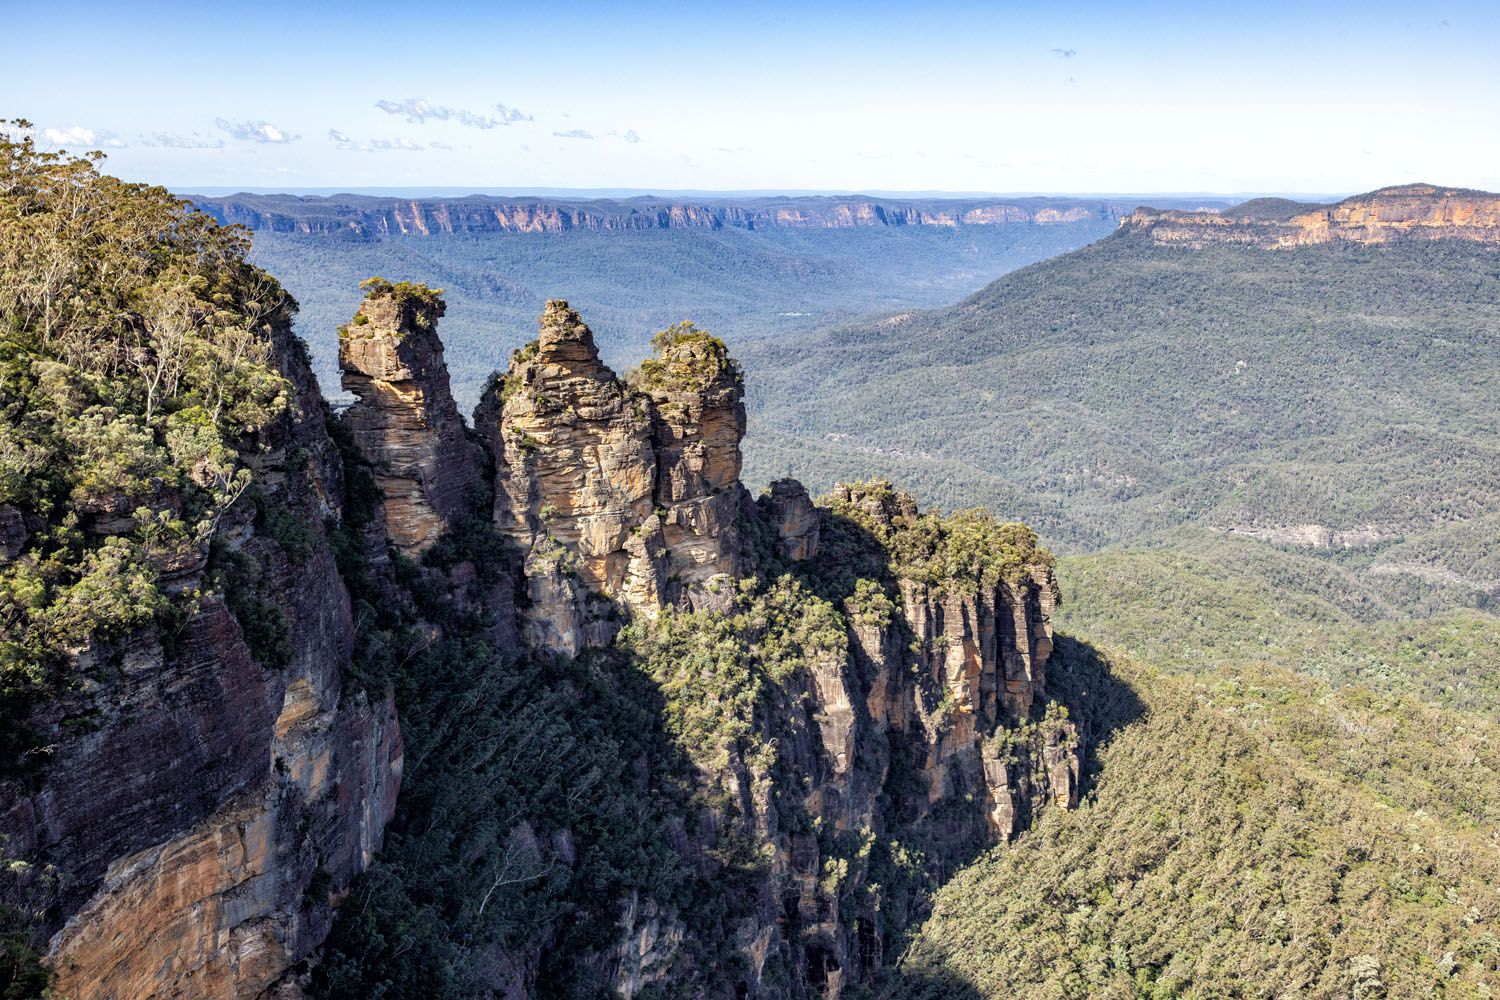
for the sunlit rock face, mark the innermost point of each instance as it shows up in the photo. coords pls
(623, 496)
(405, 421)
(1412, 212)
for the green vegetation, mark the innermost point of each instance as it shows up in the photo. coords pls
(719, 674)
(967, 549)
(1308, 804)
(686, 359)
(1199, 601)
(404, 292)
(25, 894)
(1220, 846)
(136, 355)
(1129, 387)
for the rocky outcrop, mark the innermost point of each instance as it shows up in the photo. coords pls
(1313, 536)
(927, 724)
(794, 519)
(622, 496)
(575, 485)
(925, 721)
(698, 420)
(1413, 212)
(212, 794)
(977, 644)
(366, 217)
(206, 808)
(405, 421)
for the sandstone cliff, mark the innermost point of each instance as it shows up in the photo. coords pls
(379, 217)
(405, 420)
(1393, 214)
(922, 718)
(204, 800)
(623, 497)
(872, 709)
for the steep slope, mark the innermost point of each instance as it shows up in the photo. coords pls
(1411, 212)
(657, 737)
(790, 722)
(1334, 393)
(1244, 837)
(189, 779)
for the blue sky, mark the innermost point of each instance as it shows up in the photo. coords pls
(1065, 97)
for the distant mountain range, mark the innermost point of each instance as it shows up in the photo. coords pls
(367, 216)
(1315, 376)
(740, 266)
(1407, 212)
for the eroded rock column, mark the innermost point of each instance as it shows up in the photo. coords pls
(405, 421)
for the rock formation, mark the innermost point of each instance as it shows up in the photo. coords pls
(928, 718)
(1393, 214)
(375, 217)
(623, 497)
(205, 808)
(698, 420)
(794, 519)
(405, 420)
(230, 783)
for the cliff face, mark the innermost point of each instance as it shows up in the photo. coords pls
(212, 794)
(924, 718)
(205, 809)
(1409, 212)
(622, 496)
(370, 217)
(405, 421)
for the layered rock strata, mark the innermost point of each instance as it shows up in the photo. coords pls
(622, 496)
(207, 810)
(381, 217)
(1413, 212)
(405, 421)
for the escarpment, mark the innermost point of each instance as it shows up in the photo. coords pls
(1413, 212)
(802, 715)
(214, 784)
(367, 217)
(894, 662)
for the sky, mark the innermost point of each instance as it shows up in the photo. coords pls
(1066, 97)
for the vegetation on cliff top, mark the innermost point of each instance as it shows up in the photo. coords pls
(135, 357)
(964, 550)
(686, 359)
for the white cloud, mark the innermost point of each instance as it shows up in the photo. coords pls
(1065, 53)
(509, 115)
(80, 136)
(342, 141)
(175, 140)
(418, 111)
(574, 133)
(256, 131)
(628, 135)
